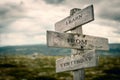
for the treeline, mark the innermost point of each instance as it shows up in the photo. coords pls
(31, 49)
(43, 49)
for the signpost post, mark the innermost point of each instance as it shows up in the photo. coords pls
(83, 46)
(78, 74)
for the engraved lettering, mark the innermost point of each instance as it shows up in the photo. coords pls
(82, 43)
(71, 20)
(82, 59)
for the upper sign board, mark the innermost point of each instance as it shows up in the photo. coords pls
(77, 61)
(79, 18)
(76, 41)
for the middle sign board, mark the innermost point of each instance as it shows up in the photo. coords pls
(76, 41)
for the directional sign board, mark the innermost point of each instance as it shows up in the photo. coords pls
(78, 61)
(76, 41)
(79, 18)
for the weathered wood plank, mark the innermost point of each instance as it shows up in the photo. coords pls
(80, 73)
(77, 61)
(76, 41)
(79, 18)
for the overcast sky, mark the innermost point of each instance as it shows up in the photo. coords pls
(26, 21)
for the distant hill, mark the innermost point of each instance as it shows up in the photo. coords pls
(43, 49)
(114, 50)
(31, 49)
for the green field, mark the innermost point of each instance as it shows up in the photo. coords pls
(43, 68)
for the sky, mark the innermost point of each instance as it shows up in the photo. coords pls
(25, 22)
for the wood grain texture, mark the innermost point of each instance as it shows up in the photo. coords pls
(76, 41)
(79, 18)
(78, 74)
(77, 61)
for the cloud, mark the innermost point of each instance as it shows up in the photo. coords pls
(21, 39)
(110, 10)
(54, 1)
(108, 15)
(26, 22)
(9, 12)
(102, 31)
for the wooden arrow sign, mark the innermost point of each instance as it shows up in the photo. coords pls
(78, 61)
(76, 41)
(79, 18)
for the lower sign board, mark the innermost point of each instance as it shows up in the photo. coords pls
(78, 61)
(76, 41)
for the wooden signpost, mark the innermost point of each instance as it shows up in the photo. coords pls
(83, 46)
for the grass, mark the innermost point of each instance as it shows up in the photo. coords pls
(108, 69)
(43, 68)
